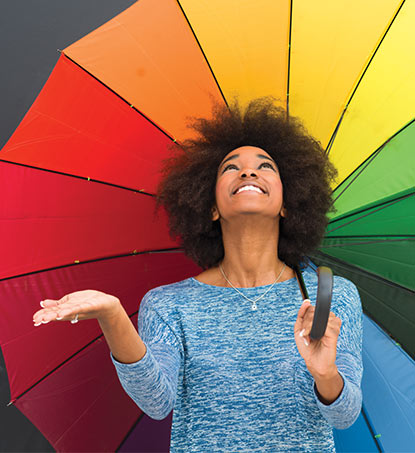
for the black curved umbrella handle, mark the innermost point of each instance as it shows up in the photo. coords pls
(323, 303)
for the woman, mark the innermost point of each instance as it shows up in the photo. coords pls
(229, 350)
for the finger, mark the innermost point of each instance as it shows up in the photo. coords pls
(38, 313)
(309, 314)
(298, 326)
(333, 320)
(333, 327)
(63, 312)
(45, 315)
(68, 312)
(303, 310)
(55, 312)
(302, 343)
(50, 306)
(54, 315)
(304, 306)
(48, 303)
(308, 319)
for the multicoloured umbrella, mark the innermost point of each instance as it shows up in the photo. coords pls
(81, 169)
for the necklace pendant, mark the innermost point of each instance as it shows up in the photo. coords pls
(254, 306)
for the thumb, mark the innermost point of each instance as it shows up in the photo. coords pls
(301, 313)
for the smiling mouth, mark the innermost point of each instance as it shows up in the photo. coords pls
(249, 188)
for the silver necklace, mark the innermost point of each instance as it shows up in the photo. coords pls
(253, 301)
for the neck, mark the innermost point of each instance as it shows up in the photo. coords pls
(251, 252)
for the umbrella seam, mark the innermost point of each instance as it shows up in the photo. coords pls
(355, 268)
(173, 249)
(203, 53)
(83, 412)
(372, 236)
(368, 160)
(369, 425)
(331, 141)
(79, 177)
(120, 97)
(380, 206)
(130, 430)
(289, 59)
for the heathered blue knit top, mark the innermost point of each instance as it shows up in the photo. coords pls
(234, 376)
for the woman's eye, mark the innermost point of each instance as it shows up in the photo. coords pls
(230, 166)
(266, 164)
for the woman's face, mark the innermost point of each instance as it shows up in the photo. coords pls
(248, 182)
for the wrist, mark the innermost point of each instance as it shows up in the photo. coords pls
(112, 312)
(324, 375)
(329, 386)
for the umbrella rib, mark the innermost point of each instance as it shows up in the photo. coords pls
(369, 425)
(380, 206)
(289, 58)
(372, 236)
(367, 161)
(125, 255)
(365, 242)
(79, 177)
(331, 141)
(203, 53)
(130, 431)
(352, 267)
(363, 166)
(120, 97)
(334, 134)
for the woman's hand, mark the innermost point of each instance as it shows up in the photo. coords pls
(87, 304)
(319, 355)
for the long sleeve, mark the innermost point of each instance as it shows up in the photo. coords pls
(343, 412)
(152, 381)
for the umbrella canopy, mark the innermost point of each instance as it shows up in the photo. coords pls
(80, 172)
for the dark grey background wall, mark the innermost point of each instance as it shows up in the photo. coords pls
(31, 31)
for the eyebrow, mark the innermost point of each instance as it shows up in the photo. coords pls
(235, 156)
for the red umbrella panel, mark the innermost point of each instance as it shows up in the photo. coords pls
(78, 212)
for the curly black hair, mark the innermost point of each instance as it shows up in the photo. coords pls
(187, 188)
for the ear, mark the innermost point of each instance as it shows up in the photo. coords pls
(283, 212)
(215, 213)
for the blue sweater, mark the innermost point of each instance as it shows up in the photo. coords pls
(234, 376)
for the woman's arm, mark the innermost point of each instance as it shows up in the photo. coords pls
(329, 387)
(147, 365)
(343, 411)
(152, 381)
(122, 338)
(335, 361)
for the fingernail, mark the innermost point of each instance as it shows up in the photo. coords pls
(37, 324)
(42, 304)
(302, 333)
(59, 318)
(44, 322)
(306, 300)
(305, 342)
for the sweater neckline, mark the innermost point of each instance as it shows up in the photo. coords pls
(249, 288)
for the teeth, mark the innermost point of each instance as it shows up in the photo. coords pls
(256, 189)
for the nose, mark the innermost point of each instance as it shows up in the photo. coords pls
(246, 173)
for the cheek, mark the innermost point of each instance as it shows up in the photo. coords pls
(278, 187)
(220, 190)
(217, 192)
